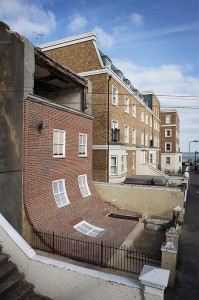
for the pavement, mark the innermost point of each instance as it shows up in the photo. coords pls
(187, 277)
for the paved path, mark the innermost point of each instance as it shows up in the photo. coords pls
(187, 282)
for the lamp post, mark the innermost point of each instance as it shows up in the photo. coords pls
(195, 141)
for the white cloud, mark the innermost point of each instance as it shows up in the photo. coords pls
(77, 23)
(165, 79)
(27, 18)
(104, 39)
(137, 19)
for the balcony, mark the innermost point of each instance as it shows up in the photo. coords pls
(115, 135)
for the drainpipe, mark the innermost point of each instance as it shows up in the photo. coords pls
(108, 127)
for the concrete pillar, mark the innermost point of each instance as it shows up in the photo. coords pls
(154, 280)
(172, 234)
(169, 259)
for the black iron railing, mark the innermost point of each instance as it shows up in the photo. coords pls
(121, 258)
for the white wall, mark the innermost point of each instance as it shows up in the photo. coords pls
(175, 164)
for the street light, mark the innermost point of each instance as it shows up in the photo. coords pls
(195, 141)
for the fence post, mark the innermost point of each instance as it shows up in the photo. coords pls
(102, 258)
(172, 234)
(169, 259)
(154, 280)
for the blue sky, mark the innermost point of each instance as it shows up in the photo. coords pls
(155, 43)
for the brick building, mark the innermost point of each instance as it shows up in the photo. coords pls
(171, 157)
(126, 127)
(46, 148)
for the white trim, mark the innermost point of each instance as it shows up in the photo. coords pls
(83, 185)
(83, 145)
(90, 36)
(59, 144)
(165, 132)
(166, 147)
(60, 200)
(115, 166)
(168, 125)
(88, 229)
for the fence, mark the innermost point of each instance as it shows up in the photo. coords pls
(123, 258)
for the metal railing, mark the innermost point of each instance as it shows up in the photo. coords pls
(125, 259)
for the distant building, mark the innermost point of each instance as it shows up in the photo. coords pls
(126, 127)
(171, 157)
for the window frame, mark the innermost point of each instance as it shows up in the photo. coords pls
(83, 185)
(168, 119)
(115, 166)
(114, 96)
(87, 229)
(134, 109)
(67, 201)
(123, 169)
(170, 147)
(134, 136)
(166, 161)
(58, 144)
(126, 104)
(170, 130)
(126, 134)
(85, 153)
(142, 116)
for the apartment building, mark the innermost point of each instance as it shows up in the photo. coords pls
(171, 157)
(126, 129)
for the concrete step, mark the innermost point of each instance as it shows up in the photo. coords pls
(7, 270)
(22, 292)
(3, 259)
(10, 284)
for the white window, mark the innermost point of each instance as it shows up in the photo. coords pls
(83, 185)
(114, 96)
(126, 162)
(82, 144)
(142, 116)
(133, 109)
(133, 136)
(146, 119)
(126, 104)
(168, 119)
(113, 165)
(168, 160)
(88, 229)
(122, 164)
(114, 124)
(143, 157)
(142, 138)
(59, 139)
(150, 121)
(59, 191)
(133, 161)
(126, 134)
(146, 139)
(168, 132)
(151, 158)
(167, 146)
(115, 131)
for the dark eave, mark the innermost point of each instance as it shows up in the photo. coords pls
(65, 74)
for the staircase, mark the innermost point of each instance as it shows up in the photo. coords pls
(13, 285)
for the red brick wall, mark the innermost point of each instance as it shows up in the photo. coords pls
(40, 169)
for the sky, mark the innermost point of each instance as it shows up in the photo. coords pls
(155, 43)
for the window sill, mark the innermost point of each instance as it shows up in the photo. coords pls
(57, 156)
(82, 156)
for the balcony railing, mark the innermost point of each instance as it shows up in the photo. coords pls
(115, 135)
